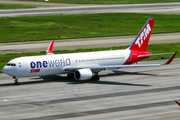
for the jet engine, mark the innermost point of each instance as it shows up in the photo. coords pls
(83, 74)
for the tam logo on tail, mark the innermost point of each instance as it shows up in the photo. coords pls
(143, 35)
(142, 39)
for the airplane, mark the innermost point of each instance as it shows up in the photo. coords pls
(86, 65)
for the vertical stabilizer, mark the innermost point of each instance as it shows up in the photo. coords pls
(142, 40)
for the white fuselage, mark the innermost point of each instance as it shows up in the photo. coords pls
(55, 64)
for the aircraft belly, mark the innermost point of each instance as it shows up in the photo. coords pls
(38, 72)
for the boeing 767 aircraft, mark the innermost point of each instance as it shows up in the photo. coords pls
(84, 66)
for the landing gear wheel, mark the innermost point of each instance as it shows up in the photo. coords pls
(16, 82)
(70, 75)
(95, 78)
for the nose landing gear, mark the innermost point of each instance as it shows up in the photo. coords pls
(16, 80)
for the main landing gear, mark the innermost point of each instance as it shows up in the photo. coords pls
(16, 80)
(95, 77)
(70, 75)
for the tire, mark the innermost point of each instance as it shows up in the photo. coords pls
(16, 83)
(95, 78)
(70, 75)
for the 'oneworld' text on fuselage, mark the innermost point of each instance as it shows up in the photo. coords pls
(50, 63)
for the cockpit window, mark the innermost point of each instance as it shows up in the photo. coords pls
(11, 64)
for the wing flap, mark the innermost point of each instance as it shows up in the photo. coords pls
(124, 66)
(110, 67)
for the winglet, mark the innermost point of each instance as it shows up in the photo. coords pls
(177, 103)
(171, 58)
(50, 48)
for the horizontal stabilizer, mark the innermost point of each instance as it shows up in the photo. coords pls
(141, 56)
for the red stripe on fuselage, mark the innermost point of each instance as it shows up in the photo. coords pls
(134, 56)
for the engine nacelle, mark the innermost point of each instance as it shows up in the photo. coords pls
(83, 74)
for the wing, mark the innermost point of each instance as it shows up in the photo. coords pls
(99, 68)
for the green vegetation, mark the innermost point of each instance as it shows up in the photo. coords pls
(14, 6)
(108, 1)
(33, 28)
(153, 48)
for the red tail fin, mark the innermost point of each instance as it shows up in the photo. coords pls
(142, 40)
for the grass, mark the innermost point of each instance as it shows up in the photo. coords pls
(153, 48)
(108, 1)
(18, 29)
(14, 6)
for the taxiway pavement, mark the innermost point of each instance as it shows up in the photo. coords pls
(71, 44)
(124, 94)
(165, 8)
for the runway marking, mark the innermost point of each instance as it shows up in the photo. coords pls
(85, 114)
(146, 115)
(7, 80)
(168, 115)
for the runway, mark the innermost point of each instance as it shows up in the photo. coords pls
(123, 94)
(165, 8)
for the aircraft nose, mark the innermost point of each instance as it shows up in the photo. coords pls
(7, 70)
(4, 69)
